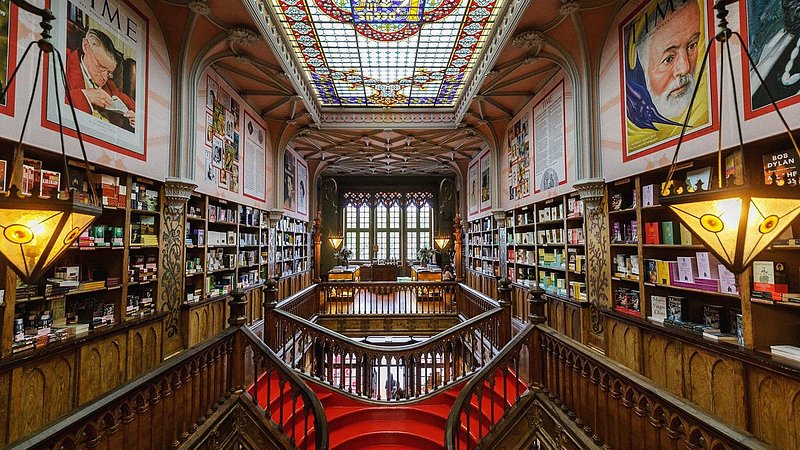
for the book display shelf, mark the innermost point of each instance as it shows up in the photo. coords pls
(662, 275)
(546, 245)
(106, 280)
(224, 245)
(293, 245)
(482, 250)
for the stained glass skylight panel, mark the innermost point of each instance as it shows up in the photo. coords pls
(379, 53)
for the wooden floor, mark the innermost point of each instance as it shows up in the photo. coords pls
(362, 301)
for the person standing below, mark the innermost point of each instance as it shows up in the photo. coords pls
(90, 71)
(391, 386)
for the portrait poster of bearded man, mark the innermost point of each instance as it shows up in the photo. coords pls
(663, 43)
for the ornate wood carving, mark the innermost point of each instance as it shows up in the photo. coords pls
(102, 367)
(40, 393)
(598, 270)
(176, 193)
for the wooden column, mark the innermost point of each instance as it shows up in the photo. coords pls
(598, 268)
(237, 317)
(270, 300)
(171, 266)
(317, 246)
(457, 232)
(504, 298)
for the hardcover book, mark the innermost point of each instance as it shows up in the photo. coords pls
(712, 317)
(780, 168)
(658, 308)
(652, 233)
(648, 195)
(49, 184)
(675, 308)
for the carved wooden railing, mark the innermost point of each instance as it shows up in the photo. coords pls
(286, 402)
(362, 369)
(491, 393)
(471, 303)
(621, 409)
(304, 303)
(386, 297)
(186, 389)
(172, 404)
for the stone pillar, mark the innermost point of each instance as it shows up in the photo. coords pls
(504, 298)
(457, 232)
(171, 266)
(317, 246)
(598, 269)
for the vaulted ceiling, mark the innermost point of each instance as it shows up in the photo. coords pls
(233, 37)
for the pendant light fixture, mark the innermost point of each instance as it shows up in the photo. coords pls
(734, 222)
(34, 232)
(442, 240)
(332, 195)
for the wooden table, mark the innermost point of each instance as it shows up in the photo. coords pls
(350, 273)
(419, 273)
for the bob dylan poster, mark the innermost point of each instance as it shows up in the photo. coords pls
(288, 182)
(104, 46)
(772, 32)
(474, 187)
(662, 46)
(486, 199)
(8, 50)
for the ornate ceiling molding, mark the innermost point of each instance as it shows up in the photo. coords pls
(569, 7)
(243, 37)
(529, 40)
(388, 119)
(200, 7)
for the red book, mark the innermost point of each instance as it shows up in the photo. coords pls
(652, 234)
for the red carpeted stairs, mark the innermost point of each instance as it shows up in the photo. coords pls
(354, 424)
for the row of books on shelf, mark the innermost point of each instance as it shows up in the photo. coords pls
(702, 272)
(289, 268)
(224, 214)
(288, 254)
(291, 238)
(484, 224)
(249, 239)
(37, 328)
(217, 259)
(484, 240)
(485, 267)
(546, 213)
(666, 233)
(250, 216)
(143, 268)
(100, 236)
(143, 231)
(556, 284)
(140, 302)
(221, 237)
(288, 224)
(143, 197)
(485, 252)
(719, 323)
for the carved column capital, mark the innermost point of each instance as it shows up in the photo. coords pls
(592, 191)
(275, 217)
(529, 40)
(499, 216)
(177, 192)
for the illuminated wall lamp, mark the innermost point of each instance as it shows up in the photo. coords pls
(36, 231)
(735, 223)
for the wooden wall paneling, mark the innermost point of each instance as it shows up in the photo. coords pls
(663, 362)
(101, 366)
(715, 383)
(624, 344)
(5, 402)
(144, 348)
(774, 408)
(41, 392)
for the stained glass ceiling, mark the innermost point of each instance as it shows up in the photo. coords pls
(387, 53)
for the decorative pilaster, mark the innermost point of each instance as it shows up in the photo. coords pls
(504, 298)
(598, 271)
(317, 246)
(176, 193)
(458, 234)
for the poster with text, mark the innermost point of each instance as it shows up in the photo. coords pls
(474, 188)
(661, 49)
(104, 45)
(255, 140)
(486, 193)
(288, 182)
(8, 51)
(519, 160)
(302, 188)
(771, 29)
(550, 145)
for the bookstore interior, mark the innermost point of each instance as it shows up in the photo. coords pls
(621, 177)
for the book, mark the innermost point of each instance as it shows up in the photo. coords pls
(649, 197)
(780, 168)
(698, 180)
(712, 317)
(658, 308)
(727, 280)
(667, 233)
(687, 269)
(685, 235)
(786, 351)
(676, 307)
(652, 233)
(734, 169)
(707, 265)
(49, 183)
(30, 178)
(616, 202)
(3, 166)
